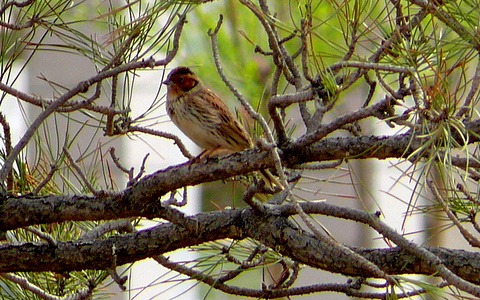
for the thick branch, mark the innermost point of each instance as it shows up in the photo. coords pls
(273, 230)
(141, 199)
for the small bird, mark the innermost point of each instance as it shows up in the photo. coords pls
(203, 117)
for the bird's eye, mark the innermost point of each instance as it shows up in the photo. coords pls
(180, 79)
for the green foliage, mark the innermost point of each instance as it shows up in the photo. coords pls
(436, 53)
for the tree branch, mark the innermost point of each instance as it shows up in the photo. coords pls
(272, 230)
(141, 199)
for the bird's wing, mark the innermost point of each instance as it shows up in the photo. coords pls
(227, 125)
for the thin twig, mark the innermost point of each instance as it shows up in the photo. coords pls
(24, 25)
(272, 110)
(82, 176)
(319, 166)
(173, 201)
(371, 66)
(16, 4)
(120, 281)
(166, 135)
(306, 26)
(117, 163)
(249, 262)
(474, 86)
(256, 116)
(347, 289)
(98, 231)
(295, 79)
(473, 241)
(451, 21)
(25, 284)
(80, 294)
(288, 99)
(141, 171)
(249, 194)
(294, 270)
(53, 169)
(464, 190)
(8, 147)
(67, 107)
(43, 235)
(131, 178)
(326, 129)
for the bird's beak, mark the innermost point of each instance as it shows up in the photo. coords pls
(167, 82)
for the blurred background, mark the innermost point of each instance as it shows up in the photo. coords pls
(368, 185)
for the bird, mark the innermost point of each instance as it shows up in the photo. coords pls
(204, 118)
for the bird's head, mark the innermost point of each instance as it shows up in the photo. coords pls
(181, 79)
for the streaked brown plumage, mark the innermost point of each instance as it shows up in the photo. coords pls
(203, 117)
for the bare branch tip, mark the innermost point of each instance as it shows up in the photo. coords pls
(217, 28)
